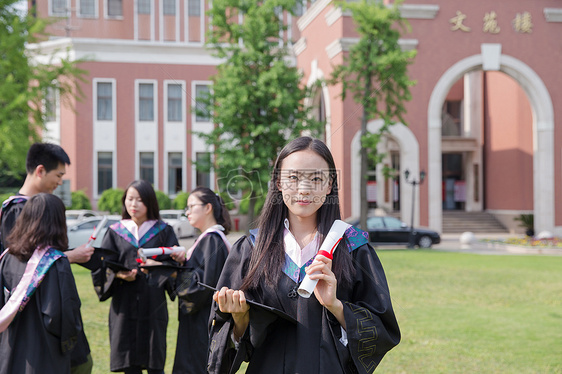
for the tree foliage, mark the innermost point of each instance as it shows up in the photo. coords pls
(375, 73)
(164, 201)
(111, 200)
(25, 83)
(256, 101)
(80, 200)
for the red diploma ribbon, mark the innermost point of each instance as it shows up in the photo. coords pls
(330, 254)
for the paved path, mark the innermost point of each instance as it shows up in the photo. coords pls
(451, 243)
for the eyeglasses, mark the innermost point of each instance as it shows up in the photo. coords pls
(190, 207)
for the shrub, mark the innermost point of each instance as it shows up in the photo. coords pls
(110, 200)
(80, 200)
(180, 201)
(164, 201)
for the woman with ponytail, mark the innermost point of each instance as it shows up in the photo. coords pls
(203, 262)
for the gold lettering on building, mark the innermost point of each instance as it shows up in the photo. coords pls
(491, 23)
(457, 22)
(523, 23)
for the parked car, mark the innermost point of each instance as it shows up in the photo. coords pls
(392, 231)
(80, 233)
(75, 216)
(178, 220)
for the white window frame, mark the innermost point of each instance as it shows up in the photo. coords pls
(106, 10)
(194, 101)
(65, 14)
(96, 10)
(154, 100)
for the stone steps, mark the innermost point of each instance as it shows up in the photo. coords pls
(476, 222)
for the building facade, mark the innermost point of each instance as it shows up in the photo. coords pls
(481, 123)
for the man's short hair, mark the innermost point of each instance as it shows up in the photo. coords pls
(46, 154)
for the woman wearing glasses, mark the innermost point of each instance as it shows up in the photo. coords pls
(203, 262)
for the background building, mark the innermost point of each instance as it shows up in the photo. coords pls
(481, 123)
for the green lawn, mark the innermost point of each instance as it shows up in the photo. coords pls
(459, 313)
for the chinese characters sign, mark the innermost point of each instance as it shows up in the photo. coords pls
(522, 23)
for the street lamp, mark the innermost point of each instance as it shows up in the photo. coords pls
(414, 183)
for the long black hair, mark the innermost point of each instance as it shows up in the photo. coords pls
(220, 213)
(148, 197)
(268, 255)
(42, 222)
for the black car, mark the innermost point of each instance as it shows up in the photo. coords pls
(392, 231)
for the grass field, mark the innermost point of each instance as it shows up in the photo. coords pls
(458, 313)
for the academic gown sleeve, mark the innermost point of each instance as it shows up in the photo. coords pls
(223, 355)
(371, 326)
(104, 277)
(205, 266)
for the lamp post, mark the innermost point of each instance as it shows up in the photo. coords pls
(414, 183)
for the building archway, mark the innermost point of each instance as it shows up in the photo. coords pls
(491, 59)
(409, 159)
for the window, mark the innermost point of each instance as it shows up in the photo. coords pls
(146, 102)
(299, 8)
(59, 7)
(104, 101)
(115, 8)
(51, 103)
(87, 8)
(202, 113)
(203, 161)
(169, 7)
(105, 171)
(174, 172)
(143, 7)
(174, 103)
(194, 8)
(147, 166)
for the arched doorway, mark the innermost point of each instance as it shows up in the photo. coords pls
(491, 59)
(409, 156)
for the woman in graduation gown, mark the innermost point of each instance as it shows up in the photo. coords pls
(203, 263)
(40, 318)
(138, 316)
(346, 326)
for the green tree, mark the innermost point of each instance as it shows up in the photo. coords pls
(164, 201)
(80, 200)
(375, 73)
(256, 101)
(180, 201)
(25, 83)
(111, 200)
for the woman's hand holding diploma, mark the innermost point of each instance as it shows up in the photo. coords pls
(325, 290)
(234, 302)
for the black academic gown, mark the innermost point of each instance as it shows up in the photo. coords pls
(138, 316)
(41, 337)
(204, 265)
(10, 213)
(276, 346)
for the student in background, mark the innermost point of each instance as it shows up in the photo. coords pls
(203, 263)
(46, 166)
(138, 316)
(40, 318)
(346, 326)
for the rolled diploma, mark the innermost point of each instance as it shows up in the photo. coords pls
(96, 232)
(144, 253)
(330, 242)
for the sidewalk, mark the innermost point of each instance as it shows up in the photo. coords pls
(451, 243)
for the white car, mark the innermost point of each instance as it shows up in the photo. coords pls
(75, 216)
(178, 220)
(80, 233)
